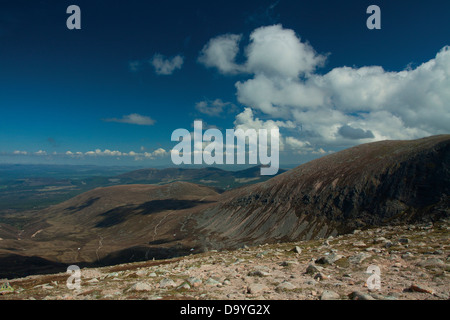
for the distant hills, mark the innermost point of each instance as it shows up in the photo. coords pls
(36, 187)
(210, 176)
(381, 183)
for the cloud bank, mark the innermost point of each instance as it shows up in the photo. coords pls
(344, 107)
(158, 153)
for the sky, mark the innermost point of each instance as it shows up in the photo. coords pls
(112, 92)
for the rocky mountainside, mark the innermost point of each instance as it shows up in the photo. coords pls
(413, 261)
(373, 184)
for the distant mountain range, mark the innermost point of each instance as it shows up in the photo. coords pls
(37, 187)
(381, 183)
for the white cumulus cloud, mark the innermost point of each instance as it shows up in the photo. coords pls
(346, 106)
(278, 52)
(220, 52)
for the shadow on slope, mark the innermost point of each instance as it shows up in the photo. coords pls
(118, 215)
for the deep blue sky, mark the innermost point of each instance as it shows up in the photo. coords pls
(57, 85)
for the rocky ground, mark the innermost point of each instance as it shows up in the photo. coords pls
(414, 262)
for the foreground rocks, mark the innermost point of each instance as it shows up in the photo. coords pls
(413, 260)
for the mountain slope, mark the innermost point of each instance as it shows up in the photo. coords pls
(368, 185)
(107, 226)
(381, 183)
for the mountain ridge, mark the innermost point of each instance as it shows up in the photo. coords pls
(313, 200)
